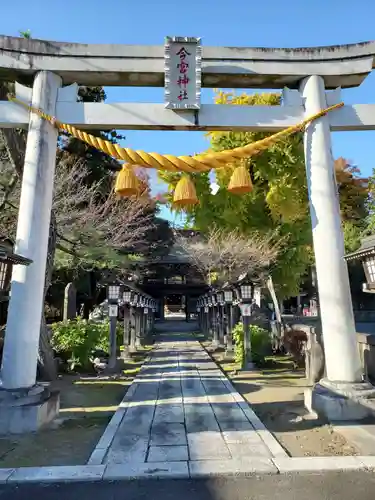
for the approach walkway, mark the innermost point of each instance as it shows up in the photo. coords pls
(182, 410)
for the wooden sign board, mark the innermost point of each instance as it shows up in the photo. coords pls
(245, 309)
(182, 66)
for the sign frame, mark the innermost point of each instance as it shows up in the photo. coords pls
(113, 310)
(170, 41)
(245, 309)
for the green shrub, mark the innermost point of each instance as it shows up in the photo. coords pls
(260, 343)
(237, 334)
(75, 340)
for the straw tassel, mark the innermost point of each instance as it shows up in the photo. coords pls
(240, 182)
(184, 193)
(127, 183)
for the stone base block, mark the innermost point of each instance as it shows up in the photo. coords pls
(341, 401)
(118, 368)
(248, 366)
(215, 345)
(23, 415)
(229, 355)
(126, 353)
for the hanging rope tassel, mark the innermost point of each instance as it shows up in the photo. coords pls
(127, 183)
(185, 194)
(240, 181)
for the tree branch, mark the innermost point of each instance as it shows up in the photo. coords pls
(230, 254)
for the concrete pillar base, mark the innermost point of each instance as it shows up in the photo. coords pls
(248, 366)
(229, 354)
(28, 410)
(341, 401)
(126, 353)
(215, 344)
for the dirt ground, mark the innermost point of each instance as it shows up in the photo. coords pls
(87, 404)
(276, 396)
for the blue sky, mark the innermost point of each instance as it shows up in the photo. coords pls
(271, 23)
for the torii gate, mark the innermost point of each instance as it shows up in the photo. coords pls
(308, 72)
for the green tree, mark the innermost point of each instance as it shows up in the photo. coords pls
(353, 193)
(370, 222)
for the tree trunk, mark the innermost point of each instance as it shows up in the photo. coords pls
(277, 327)
(46, 362)
(276, 306)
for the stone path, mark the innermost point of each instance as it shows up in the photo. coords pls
(182, 411)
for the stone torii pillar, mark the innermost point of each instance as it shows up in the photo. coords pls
(20, 354)
(336, 394)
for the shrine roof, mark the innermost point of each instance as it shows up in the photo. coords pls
(176, 255)
(367, 248)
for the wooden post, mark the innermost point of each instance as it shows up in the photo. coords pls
(113, 311)
(229, 328)
(127, 332)
(132, 325)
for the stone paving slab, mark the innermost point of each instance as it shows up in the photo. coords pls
(169, 413)
(238, 450)
(228, 412)
(236, 426)
(208, 445)
(200, 417)
(5, 474)
(129, 448)
(147, 470)
(237, 466)
(168, 434)
(58, 473)
(315, 464)
(242, 437)
(168, 454)
(368, 461)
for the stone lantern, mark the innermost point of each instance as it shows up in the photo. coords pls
(245, 294)
(229, 319)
